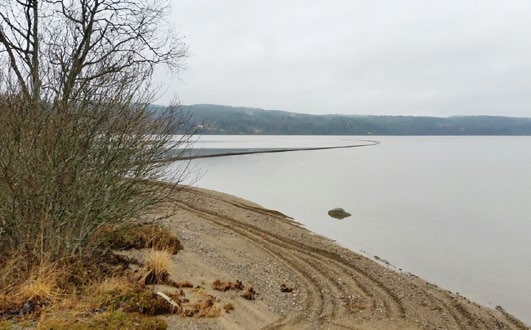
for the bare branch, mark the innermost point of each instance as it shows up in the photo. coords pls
(79, 143)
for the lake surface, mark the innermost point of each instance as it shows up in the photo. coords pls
(453, 210)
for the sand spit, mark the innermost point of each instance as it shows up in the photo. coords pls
(237, 152)
(302, 280)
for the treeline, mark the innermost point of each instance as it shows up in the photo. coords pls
(218, 119)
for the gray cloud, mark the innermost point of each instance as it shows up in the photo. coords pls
(421, 57)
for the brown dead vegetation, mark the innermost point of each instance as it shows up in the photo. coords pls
(249, 294)
(41, 285)
(219, 285)
(109, 289)
(140, 237)
(84, 287)
(129, 297)
(113, 320)
(205, 307)
(183, 284)
(228, 308)
(157, 265)
(286, 288)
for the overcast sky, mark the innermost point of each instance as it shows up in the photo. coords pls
(397, 57)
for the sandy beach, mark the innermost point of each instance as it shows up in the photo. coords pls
(302, 280)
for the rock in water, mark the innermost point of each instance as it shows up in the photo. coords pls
(338, 213)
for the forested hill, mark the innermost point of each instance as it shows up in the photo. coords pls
(217, 119)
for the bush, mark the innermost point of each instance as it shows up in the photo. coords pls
(80, 148)
(66, 173)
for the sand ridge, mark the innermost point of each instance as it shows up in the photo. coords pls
(228, 238)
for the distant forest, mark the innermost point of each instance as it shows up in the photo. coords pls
(218, 119)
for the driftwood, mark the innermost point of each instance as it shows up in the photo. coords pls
(170, 301)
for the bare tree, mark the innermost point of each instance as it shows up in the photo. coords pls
(72, 49)
(79, 143)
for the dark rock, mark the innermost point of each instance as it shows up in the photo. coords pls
(338, 213)
(286, 288)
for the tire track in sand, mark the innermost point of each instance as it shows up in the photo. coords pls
(372, 287)
(314, 271)
(329, 277)
(314, 302)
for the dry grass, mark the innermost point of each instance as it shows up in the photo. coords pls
(12, 271)
(42, 283)
(113, 294)
(159, 261)
(30, 290)
(5, 325)
(108, 320)
(60, 292)
(142, 236)
(157, 264)
(101, 291)
(93, 291)
(117, 302)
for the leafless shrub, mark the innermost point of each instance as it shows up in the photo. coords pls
(79, 143)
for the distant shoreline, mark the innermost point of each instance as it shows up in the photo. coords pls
(219, 119)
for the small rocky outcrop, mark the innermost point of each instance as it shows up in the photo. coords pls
(338, 213)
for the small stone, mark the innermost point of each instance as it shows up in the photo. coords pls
(338, 213)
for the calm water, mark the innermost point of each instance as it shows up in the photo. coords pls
(453, 210)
